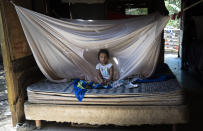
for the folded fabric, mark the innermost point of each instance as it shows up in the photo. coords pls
(81, 86)
(117, 83)
(131, 85)
(159, 79)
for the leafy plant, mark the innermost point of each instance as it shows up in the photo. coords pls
(136, 11)
(173, 6)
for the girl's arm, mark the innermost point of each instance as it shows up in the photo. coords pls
(99, 77)
(111, 74)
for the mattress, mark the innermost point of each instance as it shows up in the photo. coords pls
(157, 93)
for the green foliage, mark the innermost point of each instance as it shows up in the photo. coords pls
(173, 6)
(136, 11)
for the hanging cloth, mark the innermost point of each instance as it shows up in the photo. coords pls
(68, 49)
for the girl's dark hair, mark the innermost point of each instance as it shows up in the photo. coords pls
(105, 51)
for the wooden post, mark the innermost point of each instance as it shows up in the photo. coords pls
(38, 124)
(173, 127)
(7, 65)
(15, 53)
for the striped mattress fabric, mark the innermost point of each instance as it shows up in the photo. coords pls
(157, 93)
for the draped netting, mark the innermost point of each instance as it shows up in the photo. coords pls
(66, 49)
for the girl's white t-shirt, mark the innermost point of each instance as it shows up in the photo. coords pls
(104, 69)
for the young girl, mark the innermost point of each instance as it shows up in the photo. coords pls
(104, 68)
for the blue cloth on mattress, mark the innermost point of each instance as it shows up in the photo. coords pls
(81, 86)
(159, 79)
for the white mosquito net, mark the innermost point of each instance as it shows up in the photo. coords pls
(68, 49)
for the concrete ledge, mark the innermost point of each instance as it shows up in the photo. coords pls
(104, 115)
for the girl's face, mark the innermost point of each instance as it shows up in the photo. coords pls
(103, 58)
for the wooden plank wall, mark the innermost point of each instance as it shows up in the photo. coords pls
(19, 65)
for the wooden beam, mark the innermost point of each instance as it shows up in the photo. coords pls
(7, 64)
(18, 46)
(38, 124)
(15, 52)
(24, 63)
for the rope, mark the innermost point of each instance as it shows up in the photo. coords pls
(12, 2)
(187, 8)
(173, 17)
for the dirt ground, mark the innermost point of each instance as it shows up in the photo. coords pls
(5, 114)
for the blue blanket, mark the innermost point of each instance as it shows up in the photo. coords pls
(81, 86)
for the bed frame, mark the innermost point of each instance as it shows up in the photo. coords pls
(105, 114)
